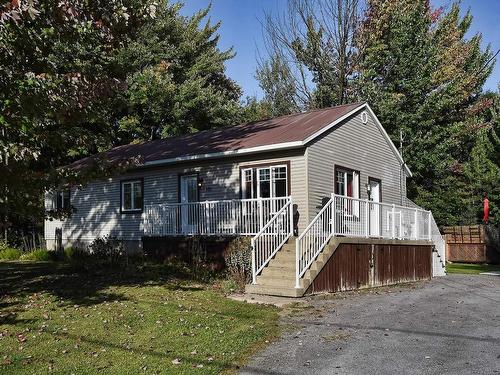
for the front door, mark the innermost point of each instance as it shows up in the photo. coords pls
(374, 208)
(189, 194)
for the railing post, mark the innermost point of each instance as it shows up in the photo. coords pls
(429, 223)
(367, 219)
(254, 276)
(261, 214)
(393, 229)
(416, 224)
(297, 263)
(290, 209)
(334, 214)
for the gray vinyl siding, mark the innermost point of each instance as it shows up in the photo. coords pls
(357, 146)
(98, 203)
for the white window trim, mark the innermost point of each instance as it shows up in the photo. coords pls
(271, 179)
(256, 179)
(355, 191)
(244, 184)
(64, 203)
(132, 201)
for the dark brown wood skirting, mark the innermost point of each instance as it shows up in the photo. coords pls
(355, 266)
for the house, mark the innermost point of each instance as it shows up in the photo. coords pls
(299, 185)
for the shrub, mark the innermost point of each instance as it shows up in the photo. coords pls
(9, 253)
(39, 255)
(238, 259)
(3, 245)
(75, 253)
(107, 248)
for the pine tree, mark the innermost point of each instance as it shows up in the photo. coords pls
(422, 76)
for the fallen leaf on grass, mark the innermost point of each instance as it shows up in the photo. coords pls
(176, 361)
(21, 337)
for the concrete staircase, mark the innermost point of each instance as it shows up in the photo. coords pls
(439, 266)
(278, 278)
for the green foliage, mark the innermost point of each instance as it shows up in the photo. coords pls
(10, 254)
(74, 253)
(39, 255)
(76, 79)
(108, 249)
(277, 82)
(423, 77)
(238, 259)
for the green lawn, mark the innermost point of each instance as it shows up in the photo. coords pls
(53, 319)
(470, 268)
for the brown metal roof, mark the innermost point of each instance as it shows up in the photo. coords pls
(284, 129)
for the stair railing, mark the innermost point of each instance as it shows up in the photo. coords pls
(273, 235)
(313, 239)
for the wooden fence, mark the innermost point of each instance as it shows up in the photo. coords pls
(472, 244)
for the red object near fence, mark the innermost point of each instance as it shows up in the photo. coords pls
(486, 210)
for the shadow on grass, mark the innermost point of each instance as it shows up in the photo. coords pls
(82, 287)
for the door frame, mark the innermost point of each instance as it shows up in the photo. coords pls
(379, 182)
(183, 212)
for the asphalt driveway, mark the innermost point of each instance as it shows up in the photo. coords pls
(450, 325)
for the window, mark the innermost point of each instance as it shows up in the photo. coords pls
(62, 199)
(247, 185)
(264, 187)
(347, 184)
(264, 182)
(132, 197)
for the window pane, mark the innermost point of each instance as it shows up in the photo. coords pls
(265, 183)
(280, 188)
(192, 189)
(137, 195)
(340, 183)
(264, 174)
(127, 196)
(247, 184)
(279, 173)
(349, 184)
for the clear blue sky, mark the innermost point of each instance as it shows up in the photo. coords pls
(241, 30)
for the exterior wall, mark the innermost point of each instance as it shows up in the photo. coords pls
(98, 203)
(357, 146)
(365, 265)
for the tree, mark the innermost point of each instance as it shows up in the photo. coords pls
(277, 82)
(483, 168)
(79, 77)
(312, 44)
(422, 78)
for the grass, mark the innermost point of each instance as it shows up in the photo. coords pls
(53, 319)
(473, 269)
(10, 254)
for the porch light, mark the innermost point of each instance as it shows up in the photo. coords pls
(200, 182)
(368, 190)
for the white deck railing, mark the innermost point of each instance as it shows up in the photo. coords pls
(364, 218)
(224, 217)
(351, 217)
(271, 238)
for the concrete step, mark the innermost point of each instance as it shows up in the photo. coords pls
(275, 282)
(274, 291)
(276, 271)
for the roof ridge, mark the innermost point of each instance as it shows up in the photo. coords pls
(302, 113)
